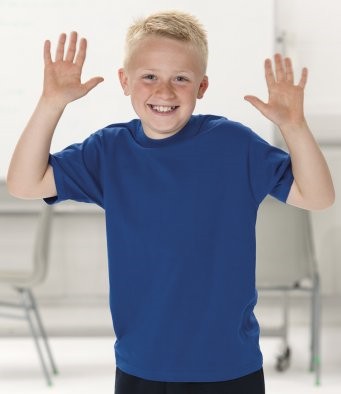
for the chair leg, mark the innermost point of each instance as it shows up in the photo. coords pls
(315, 362)
(27, 306)
(284, 358)
(42, 331)
(286, 318)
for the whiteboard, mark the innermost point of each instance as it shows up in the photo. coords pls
(240, 35)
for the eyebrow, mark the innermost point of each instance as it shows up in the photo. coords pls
(155, 70)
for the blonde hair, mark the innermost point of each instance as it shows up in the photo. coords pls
(170, 24)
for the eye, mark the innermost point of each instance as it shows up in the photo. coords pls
(181, 78)
(149, 77)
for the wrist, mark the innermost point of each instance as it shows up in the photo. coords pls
(294, 127)
(52, 103)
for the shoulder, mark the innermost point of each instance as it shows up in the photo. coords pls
(223, 127)
(101, 141)
(107, 138)
(116, 130)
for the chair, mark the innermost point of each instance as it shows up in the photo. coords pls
(24, 281)
(286, 263)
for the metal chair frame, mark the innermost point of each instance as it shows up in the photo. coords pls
(23, 282)
(282, 228)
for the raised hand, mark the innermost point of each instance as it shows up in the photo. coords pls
(62, 77)
(285, 103)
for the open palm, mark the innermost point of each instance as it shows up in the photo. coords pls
(285, 103)
(62, 77)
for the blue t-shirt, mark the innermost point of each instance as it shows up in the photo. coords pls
(180, 218)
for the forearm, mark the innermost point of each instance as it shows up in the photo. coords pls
(313, 182)
(30, 158)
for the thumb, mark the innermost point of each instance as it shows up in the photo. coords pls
(256, 102)
(92, 83)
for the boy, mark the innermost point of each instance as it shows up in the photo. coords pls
(180, 193)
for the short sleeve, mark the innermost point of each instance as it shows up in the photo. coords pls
(270, 170)
(77, 172)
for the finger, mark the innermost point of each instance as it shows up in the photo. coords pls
(289, 70)
(47, 52)
(60, 47)
(304, 78)
(70, 54)
(279, 69)
(269, 74)
(256, 102)
(92, 83)
(80, 57)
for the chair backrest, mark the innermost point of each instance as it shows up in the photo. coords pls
(285, 251)
(24, 278)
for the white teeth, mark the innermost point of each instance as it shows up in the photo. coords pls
(162, 108)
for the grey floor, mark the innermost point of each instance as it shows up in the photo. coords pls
(87, 365)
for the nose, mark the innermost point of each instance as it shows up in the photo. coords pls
(165, 91)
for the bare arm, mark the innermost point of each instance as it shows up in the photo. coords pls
(313, 186)
(29, 175)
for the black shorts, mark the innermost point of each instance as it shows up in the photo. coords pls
(249, 384)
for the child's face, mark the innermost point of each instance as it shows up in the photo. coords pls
(164, 78)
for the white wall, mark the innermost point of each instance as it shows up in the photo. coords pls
(240, 36)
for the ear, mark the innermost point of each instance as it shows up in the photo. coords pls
(202, 87)
(124, 81)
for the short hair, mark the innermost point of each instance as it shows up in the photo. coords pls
(170, 24)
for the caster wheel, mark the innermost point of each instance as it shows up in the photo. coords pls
(283, 360)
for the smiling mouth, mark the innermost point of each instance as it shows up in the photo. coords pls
(162, 109)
